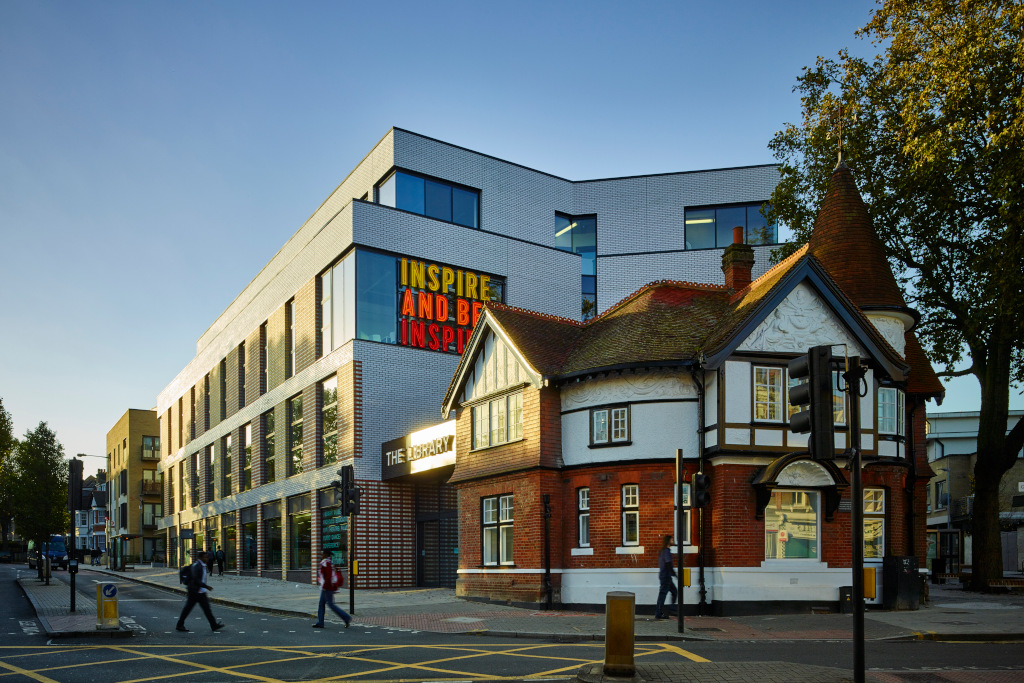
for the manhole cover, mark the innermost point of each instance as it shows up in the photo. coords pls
(464, 620)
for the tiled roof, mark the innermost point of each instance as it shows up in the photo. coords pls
(923, 379)
(845, 242)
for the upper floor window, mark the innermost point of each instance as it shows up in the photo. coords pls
(768, 395)
(711, 226)
(226, 466)
(609, 426)
(874, 523)
(151, 448)
(241, 375)
(246, 482)
(498, 421)
(838, 399)
(264, 360)
(496, 528)
(289, 338)
(432, 198)
(295, 435)
(890, 411)
(631, 514)
(223, 377)
(583, 517)
(329, 419)
(578, 234)
(269, 447)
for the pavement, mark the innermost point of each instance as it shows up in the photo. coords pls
(950, 614)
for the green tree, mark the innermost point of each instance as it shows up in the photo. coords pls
(933, 130)
(41, 490)
(7, 472)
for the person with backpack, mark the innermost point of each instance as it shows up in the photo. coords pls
(220, 561)
(195, 581)
(330, 580)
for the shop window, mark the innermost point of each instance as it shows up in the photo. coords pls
(272, 537)
(269, 448)
(630, 514)
(768, 395)
(498, 421)
(874, 523)
(583, 517)
(430, 197)
(890, 411)
(249, 547)
(246, 482)
(497, 530)
(300, 533)
(294, 436)
(791, 525)
(609, 426)
(329, 419)
(711, 226)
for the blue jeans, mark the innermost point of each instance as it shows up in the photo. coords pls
(667, 586)
(327, 600)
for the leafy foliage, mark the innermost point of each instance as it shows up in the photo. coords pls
(933, 130)
(8, 474)
(41, 488)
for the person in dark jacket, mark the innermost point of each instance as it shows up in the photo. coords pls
(220, 560)
(665, 574)
(197, 589)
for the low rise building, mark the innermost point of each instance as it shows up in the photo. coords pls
(134, 489)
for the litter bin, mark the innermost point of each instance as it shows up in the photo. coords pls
(900, 587)
(846, 599)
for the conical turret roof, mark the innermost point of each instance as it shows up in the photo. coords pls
(846, 244)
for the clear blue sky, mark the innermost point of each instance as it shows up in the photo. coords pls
(155, 155)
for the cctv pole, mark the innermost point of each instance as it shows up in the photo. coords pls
(853, 376)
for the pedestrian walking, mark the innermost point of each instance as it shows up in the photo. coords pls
(95, 553)
(197, 589)
(220, 561)
(665, 574)
(330, 580)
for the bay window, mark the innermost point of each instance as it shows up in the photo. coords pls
(498, 421)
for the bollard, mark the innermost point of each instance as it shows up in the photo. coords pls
(106, 606)
(620, 608)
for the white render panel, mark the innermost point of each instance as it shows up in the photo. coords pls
(737, 392)
(710, 398)
(886, 448)
(788, 580)
(800, 321)
(589, 586)
(737, 437)
(767, 437)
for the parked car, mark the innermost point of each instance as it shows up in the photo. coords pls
(33, 558)
(6, 556)
(55, 550)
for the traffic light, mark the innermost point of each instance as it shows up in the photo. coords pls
(347, 480)
(701, 490)
(814, 395)
(74, 485)
(352, 496)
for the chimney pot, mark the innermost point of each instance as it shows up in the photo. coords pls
(737, 235)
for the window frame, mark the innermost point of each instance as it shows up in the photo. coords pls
(269, 450)
(610, 412)
(875, 499)
(482, 432)
(494, 522)
(818, 555)
(226, 465)
(295, 445)
(898, 406)
(630, 505)
(583, 517)
(327, 431)
(782, 390)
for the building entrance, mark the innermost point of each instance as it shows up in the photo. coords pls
(437, 535)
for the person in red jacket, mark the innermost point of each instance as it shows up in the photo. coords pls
(330, 580)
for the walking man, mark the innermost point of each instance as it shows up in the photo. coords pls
(220, 561)
(665, 574)
(330, 580)
(197, 589)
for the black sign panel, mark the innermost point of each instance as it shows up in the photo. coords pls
(420, 451)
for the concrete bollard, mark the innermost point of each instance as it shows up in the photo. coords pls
(620, 610)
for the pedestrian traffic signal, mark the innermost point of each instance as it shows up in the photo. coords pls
(814, 396)
(701, 490)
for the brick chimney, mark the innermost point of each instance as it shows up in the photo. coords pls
(737, 260)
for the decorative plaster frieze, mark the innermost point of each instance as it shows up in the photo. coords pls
(801, 321)
(643, 386)
(892, 330)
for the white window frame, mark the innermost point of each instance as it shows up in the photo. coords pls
(609, 425)
(817, 557)
(874, 513)
(583, 517)
(893, 425)
(498, 421)
(496, 530)
(763, 376)
(630, 512)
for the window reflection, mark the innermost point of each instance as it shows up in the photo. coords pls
(791, 525)
(578, 234)
(709, 227)
(432, 198)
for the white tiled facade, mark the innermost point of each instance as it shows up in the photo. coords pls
(639, 240)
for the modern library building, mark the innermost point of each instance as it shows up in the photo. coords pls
(342, 347)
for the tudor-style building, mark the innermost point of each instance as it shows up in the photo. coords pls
(587, 417)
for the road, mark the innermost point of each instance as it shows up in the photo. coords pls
(265, 647)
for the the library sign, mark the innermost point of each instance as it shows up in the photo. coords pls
(438, 305)
(420, 451)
